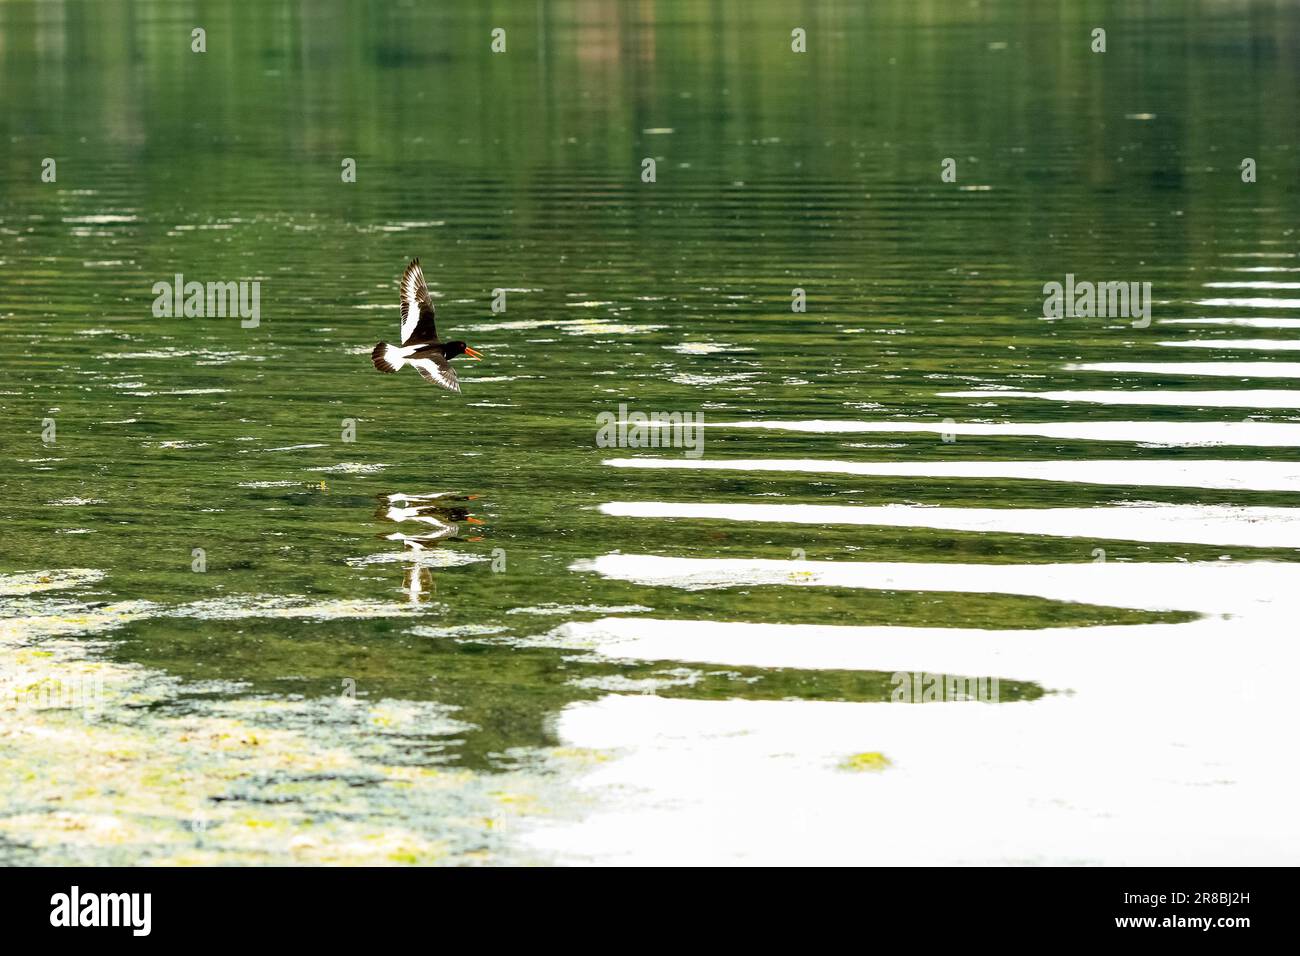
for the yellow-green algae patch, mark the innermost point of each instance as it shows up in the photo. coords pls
(30, 582)
(111, 777)
(868, 761)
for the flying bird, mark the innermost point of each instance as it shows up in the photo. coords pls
(420, 346)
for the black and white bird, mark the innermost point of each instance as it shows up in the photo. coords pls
(420, 346)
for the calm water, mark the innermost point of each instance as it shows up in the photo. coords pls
(622, 654)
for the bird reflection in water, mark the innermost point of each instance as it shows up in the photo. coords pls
(432, 518)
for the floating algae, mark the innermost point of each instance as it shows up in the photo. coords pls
(124, 778)
(869, 761)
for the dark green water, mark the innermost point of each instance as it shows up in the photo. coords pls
(522, 170)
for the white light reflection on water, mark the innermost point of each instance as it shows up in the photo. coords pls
(1226, 525)
(1240, 398)
(1108, 753)
(1192, 473)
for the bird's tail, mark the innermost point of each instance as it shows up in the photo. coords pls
(387, 358)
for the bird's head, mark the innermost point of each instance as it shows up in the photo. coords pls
(452, 349)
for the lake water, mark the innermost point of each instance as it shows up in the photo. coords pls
(261, 604)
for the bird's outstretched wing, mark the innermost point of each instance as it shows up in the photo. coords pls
(417, 307)
(436, 369)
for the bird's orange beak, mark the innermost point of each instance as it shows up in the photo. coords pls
(473, 353)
